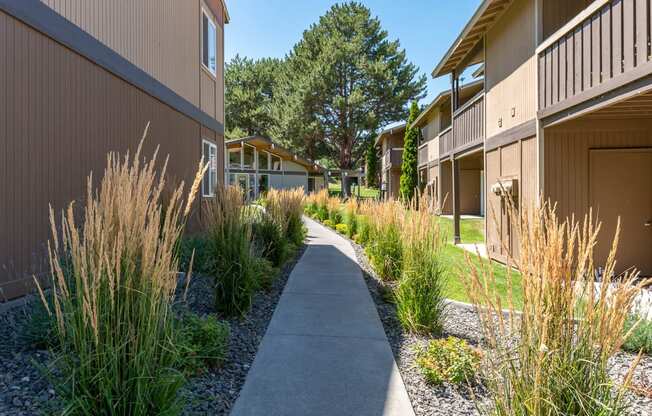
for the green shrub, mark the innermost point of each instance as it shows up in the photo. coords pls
(197, 244)
(230, 259)
(322, 213)
(202, 342)
(40, 330)
(342, 229)
(385, 250)
(641, 338)
(363, 228)
(269, 239)
(420, 300)
(329, 223)
(265, 271)
(449, 360)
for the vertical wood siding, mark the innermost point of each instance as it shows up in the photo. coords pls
(59, 116)
(510, 78)
(468, 124)
(515, 161)
(567, 157)
(161, 37)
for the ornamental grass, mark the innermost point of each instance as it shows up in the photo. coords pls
(114, 275)
(384, 245)
(553, 358)
(286, 206)
(420, 300)
(231, 261)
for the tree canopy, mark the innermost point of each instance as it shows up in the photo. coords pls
(342, 82)
(249, 87)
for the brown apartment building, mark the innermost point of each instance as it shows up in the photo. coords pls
(390, 141)
(567, 114)
(80, 78)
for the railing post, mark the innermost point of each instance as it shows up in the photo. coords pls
(456, 200)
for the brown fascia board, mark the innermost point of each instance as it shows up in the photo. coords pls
(483, 18)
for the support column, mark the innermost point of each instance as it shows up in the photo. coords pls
(456, 200)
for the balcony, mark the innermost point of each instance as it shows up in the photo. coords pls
(603, 48)
(423, 154)
(468, 128)
(446, 142)
(429, 152)
(392, 158)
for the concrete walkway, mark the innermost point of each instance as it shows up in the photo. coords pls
(325, 351)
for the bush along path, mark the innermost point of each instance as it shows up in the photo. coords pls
(447, 354)
(325, 351)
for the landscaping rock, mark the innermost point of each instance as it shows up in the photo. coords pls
(462, 322)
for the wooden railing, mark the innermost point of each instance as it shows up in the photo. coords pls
(423, 154)
(593, 52)
(468, 124)
(446, 142)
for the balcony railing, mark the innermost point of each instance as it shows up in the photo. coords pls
(603, 47)
(392, 158)
(446, 142)
(423, 154)
(468, 124)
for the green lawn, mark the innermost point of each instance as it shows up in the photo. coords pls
(471, 229)
(364, 191)
(455, 263)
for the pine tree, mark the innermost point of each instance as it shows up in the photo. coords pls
(409, 173)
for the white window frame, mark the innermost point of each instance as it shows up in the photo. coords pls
(212, 168)
(211, 22)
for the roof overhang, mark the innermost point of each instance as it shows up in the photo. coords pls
(389, 132)
(484, 17)
(267, 145)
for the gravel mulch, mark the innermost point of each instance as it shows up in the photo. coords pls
(25, 392)
(215, 392)
(463, 323)
(23, 389)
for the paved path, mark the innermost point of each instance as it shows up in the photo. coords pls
(325, 350)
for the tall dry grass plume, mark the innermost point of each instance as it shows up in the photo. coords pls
(385, 246)
(553, 358)
(230, 251)
(113, 279)
(286, 208)
(420, 293)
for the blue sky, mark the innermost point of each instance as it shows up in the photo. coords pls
(426, 29)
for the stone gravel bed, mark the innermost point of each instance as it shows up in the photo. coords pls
(462, 322)
(215, 392)
(25, 392)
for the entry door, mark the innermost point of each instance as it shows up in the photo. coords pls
(621, 185)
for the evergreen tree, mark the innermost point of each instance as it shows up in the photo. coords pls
(372, 166)
(409, 173)
(249, 94)
(342, 81)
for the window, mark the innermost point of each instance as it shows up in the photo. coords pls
(234, 159)
(209, 182)
(276, 162)
(263, 161)
(248, 157)
(209, 44)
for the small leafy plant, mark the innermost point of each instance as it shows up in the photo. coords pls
(329, 224)
(342, 229)
(451, 360)
(640, 338)
(202, 342)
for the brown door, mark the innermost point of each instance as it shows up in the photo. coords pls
(621, 186)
